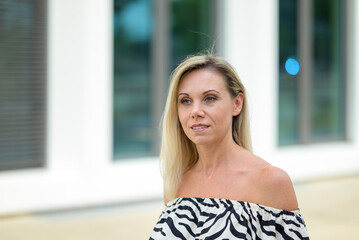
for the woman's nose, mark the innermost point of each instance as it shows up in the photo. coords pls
(197, 110)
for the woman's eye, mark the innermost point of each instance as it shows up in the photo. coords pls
(210, 99)
(185, 101)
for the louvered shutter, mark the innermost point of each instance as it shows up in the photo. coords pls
(23, 53)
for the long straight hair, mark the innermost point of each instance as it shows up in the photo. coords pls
(178, 153)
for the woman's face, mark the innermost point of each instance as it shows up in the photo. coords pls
(206, 108)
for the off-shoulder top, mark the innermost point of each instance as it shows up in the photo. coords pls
(214, 218)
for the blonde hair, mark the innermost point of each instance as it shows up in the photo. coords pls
(178, 153)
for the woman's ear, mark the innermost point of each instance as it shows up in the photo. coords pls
(238, 103)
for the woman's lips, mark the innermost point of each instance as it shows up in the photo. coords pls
(199, 128)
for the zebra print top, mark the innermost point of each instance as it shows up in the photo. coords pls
(213, 218)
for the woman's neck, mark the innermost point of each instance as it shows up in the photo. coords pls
(212, 157)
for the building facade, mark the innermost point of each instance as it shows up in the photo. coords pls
(107, 65)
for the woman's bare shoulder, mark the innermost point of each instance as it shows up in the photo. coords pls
(273, 186)
(276, 188)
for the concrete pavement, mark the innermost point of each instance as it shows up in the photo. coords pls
(329, 207)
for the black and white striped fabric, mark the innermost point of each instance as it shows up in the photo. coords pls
(212, 218)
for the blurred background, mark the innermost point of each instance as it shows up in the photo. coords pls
(83, 85)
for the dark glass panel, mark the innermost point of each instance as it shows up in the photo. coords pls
(133, 32)
(288, 122)
(327, 98)
(190, 29)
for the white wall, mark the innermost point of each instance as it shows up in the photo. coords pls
(80, 170)
(251, 46)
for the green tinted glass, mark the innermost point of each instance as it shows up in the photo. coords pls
(136, 57)
(311, 100)
(327, 99)
(133, 32)
(288, 121)
(190, 28)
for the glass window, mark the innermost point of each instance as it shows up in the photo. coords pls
(186, 27)
(133, 33)
(288, 83)
(327, 98)
(311, 77)
(191, 28)
(22, 83)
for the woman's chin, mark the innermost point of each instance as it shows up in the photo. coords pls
(201, 141)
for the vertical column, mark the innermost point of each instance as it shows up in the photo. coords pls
(305, 61)
(353, 102)
(96, 85)
(217, 26)
(160, 65)
(251, 46)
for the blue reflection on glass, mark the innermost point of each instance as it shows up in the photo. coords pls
(292, 66)
(137, 20)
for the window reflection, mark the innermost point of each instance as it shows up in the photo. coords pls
(133, 32)
(191, 28)
(324, 112)
(327, 113)
(135, 129)
(288, 123)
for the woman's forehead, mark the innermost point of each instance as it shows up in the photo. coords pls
(202, 80)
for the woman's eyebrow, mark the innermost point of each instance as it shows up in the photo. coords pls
(186, 94)
(211, 90)
(204, 93)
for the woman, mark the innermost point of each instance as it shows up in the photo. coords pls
(214, 186)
